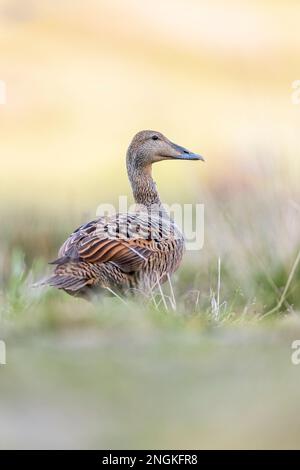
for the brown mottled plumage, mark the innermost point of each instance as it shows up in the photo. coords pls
(126, 252)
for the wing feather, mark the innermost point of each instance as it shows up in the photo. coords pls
(106, 240)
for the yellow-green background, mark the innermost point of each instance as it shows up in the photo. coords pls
(83, 77)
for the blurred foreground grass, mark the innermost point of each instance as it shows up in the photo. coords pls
(116, 376)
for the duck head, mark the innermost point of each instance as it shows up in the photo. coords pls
(148, 147)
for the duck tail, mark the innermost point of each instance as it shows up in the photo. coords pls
(69, 283)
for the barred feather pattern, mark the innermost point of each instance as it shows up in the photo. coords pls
(124, 253)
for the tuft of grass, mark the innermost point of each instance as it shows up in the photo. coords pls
(23, 307)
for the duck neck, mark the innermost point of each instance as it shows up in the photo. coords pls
(143, 186)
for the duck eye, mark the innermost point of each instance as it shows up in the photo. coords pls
(154, 137)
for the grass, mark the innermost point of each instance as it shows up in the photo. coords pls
(199, 364)
(135, 376)
(205, 362)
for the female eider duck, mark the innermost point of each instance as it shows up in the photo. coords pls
(126, 252)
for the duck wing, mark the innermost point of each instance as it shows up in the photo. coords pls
(126, 240)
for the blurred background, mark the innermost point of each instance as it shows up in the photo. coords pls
(81, 79)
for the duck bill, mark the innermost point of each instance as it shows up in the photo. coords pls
(182, 153)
